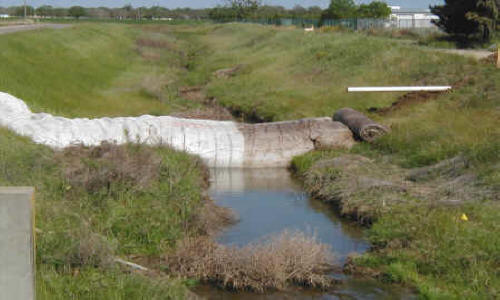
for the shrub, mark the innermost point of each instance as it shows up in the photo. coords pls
(102, 167)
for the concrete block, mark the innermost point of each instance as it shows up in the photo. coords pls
(17, 258)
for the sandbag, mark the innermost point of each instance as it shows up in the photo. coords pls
(362, 127)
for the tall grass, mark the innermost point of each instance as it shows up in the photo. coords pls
(91, 207)
(444, 256)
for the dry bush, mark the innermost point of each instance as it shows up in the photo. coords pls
(212, 218)
(101, 167)
(492, 59)
(284, 259)
(90, 248)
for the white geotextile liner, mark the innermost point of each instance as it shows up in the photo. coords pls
(219, 143)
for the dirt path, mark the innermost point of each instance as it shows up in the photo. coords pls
(17, 28)
(477, 54)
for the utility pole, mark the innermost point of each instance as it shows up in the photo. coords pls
(25, 9)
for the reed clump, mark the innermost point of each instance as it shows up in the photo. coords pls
(290, 258)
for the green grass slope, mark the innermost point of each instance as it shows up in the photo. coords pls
(288, 74)
(93, 70)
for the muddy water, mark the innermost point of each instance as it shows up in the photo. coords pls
(268, 201)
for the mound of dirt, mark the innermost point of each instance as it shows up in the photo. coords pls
(407, 100)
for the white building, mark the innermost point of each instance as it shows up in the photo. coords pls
(4, 16)
(412, 18)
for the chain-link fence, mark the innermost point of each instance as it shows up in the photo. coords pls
(353, 24)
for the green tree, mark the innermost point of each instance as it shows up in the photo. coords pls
(44, 11)
(243, 8)
(376, 10)
(467, 20)
(19, 11)
(235, 10)
(77, 12)
(340, 9)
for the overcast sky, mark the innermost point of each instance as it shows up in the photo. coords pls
(202, 3)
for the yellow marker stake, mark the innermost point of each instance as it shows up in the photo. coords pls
(464, 217)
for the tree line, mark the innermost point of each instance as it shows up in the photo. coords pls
(125, 12)
(466, 21)
(338, 9)
(230, 10)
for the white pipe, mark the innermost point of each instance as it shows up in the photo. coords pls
(399, 89)
(130, 264)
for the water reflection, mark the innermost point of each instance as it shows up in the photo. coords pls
(269, 201)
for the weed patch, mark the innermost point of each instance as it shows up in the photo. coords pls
(98, 168)
(288, 258)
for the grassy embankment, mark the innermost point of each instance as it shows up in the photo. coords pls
(91, 206)
(132, 202)
(287, 74)
(96, 70)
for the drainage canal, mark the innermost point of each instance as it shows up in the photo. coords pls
(269, 201)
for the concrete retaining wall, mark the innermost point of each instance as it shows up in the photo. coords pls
(17, 263)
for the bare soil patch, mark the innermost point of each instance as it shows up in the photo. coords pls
(211, 110)
(407, 100)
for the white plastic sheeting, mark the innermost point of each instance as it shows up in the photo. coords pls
(220, 144)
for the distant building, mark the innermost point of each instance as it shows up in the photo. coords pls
(4, 16)
(412, 18)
